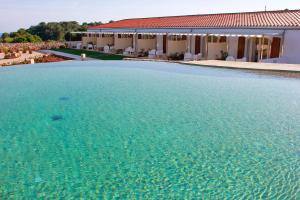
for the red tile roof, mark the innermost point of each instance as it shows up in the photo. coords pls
(272, 19)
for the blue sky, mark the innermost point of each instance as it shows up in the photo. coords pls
(15, 14)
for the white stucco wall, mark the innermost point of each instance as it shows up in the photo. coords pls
(123, 43)
(233, 46)
(177, 46)
(87, 40)
(101, 42)
(291, 47)
(146, 44)
(214, 50)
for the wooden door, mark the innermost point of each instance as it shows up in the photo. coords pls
(165, 44)
(197, 44)
(275, 47)
(241, 47)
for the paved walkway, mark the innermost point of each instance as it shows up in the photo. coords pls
(67, 55)
(246, 65)
(276, 67)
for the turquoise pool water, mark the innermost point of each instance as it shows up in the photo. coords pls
(138, 130)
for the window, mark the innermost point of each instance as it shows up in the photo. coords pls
(223, 39)
(212, 39)
(125, 36)
(177, 37)
(266, 41)
(106, 35)
(146, 37)
(256, 41)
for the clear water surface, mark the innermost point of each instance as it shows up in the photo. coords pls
(138, 130)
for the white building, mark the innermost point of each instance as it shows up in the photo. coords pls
(268, 36)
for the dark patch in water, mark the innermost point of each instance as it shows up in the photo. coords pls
(64, 98)
(56, 117)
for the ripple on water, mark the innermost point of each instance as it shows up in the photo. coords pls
(130, 130)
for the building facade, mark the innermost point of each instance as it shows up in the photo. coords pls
(268, 36)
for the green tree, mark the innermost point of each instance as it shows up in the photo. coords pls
(55, 30)
(8, 40)
(20, 36)
(5, 37)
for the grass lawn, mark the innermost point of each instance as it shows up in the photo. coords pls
(91, 54)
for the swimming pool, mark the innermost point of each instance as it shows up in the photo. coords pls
(139, 130)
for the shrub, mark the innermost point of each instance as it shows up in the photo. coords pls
(176, 56)
(22, 36)
(8, 40)
(119, 51)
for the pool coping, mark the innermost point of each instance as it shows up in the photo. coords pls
(273, 67)
(67, 55)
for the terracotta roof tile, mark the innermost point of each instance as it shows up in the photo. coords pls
(272, 19)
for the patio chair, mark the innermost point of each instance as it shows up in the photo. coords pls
(90, 46)
(112, 49)
(159, 53)
(106, 49)
(230, 58)
(188, 56)
(128, 51)
(78, 45)
(131, 50)
(198, 56)
(152, 54)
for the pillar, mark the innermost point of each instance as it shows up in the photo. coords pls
(246, 52)
(206, 50)
(269, 47)
(135, 43)
(261, 47)
(250, 49)
(227, 44)
(189, 44)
